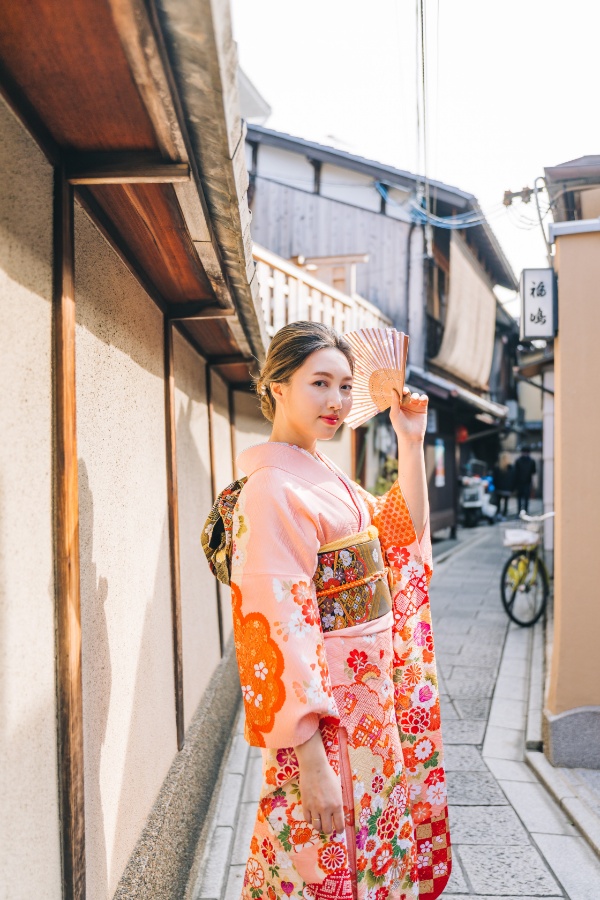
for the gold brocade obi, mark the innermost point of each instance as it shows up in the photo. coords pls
(352, 581)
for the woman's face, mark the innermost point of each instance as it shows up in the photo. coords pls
(317, 398)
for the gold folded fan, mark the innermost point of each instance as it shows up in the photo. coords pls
(379, 367)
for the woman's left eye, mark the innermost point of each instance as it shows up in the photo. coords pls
(347, 387)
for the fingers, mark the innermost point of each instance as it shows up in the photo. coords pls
(338, 820)
(327, 820)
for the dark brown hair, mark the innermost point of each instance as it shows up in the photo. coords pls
(288, 350)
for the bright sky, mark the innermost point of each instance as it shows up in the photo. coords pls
(512, 88)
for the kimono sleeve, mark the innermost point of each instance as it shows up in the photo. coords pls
(277, 630)
(397, 533)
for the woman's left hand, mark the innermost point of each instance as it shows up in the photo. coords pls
(409, 416)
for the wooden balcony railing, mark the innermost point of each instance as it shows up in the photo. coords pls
(289, 294)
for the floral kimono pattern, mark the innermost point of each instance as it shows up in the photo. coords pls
(370, 688)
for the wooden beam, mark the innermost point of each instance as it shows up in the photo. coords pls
(181, 311)
(25, 112)
(213, 487)
(66, 550)
(232, 359)
(106, 227)
(125, 168)
(173, 514)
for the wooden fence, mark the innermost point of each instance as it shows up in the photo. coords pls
(289, 293)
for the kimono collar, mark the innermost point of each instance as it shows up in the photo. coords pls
(302, 464)
(282, 456)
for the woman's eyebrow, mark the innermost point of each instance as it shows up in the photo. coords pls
(329, 375)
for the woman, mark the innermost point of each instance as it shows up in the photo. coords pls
(337, 673)
(504, 482)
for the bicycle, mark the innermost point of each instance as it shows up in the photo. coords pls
(524, 583)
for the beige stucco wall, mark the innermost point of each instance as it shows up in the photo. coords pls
(223, 470)
(251, 427)
(575, 672)
(199, 616)
(29, 844)
(128, 693)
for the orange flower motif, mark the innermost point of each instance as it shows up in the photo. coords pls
(388, 768)
(421, 812)
(271, 893)
(332, 857)
(361, 863)
(301, 592)
(412, 674)
(255, 875)
(365, 801)
(254, 844)
(382, 859)
(434, 716)
(302, 835)
(406, 831)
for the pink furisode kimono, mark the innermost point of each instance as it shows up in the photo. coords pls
(370, 687)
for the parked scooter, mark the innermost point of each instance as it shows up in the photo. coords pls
(475, 498)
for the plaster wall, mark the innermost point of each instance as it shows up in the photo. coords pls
(251, 427)
(575, 671)
(199, 613)
(127, 657)
(351, 187)
(282, 165)
(224, 474)
(29, 820)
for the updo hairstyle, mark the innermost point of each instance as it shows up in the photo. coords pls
(288, 350)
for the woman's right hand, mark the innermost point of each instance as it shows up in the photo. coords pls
(320, 787)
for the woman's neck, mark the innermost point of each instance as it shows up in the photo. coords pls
(283, 434)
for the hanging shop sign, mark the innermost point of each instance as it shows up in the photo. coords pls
(538, 305)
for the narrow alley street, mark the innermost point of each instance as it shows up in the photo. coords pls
(510, 838)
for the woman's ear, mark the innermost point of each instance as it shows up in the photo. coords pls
(277, 390)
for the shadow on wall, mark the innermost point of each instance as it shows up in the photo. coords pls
(26, 191)
(96, 697)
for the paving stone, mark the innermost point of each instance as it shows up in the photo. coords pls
(235, 882)
(229, 799)
(512, 687)
(508, 713)
(238, 755)
(253, 780)
(496, 825)
(474, 789)
(510, 770)
(536, 809)
(480, 685)
(477, 708)
(456, 884)
(503, 743)
(243, 833)
(210, 884)
(463, 758)
(515, 667)
(463, 731)
(574, 864)
(449, 714)
(509, 871)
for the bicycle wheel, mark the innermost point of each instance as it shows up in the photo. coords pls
(524, 588)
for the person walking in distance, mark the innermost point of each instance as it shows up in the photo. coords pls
(504, 477)
(525, 469)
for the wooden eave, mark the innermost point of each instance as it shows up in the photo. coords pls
(93, 82)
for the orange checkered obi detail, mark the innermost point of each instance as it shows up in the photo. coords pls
(352, 581)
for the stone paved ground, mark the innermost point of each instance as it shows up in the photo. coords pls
(511, 839)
